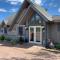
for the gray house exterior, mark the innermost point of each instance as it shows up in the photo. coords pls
(33, 23)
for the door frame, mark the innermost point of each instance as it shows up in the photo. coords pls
(34, 27)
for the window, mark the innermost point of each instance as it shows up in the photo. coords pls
(20, 32)
(5, 30)
(31, 29)
(37, 29)
(37, 17)
(58, 26)
(1, 30)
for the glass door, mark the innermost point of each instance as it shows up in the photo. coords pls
(35, 34)
(31, 34)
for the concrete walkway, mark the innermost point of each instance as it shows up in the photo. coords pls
(27, 52)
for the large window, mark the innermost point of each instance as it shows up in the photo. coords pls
(5, 30)
(35, 20)
(20, 31)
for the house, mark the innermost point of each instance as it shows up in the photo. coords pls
(33, 23)
(3, 28)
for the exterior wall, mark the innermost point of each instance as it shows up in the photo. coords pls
(58, 36)
(12, 33)
(53, 33)
(58, 33)
(27, 34)
(1, 31)
(13, 37)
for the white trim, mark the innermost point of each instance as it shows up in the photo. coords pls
(41, 35)
(34, 27)
(34, 34)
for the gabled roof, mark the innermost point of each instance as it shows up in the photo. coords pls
(56, 18)
(41, 11)
(26, 4)
(10, 19)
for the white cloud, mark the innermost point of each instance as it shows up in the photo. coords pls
(55, 5)
(50, 4)
(38, 1)
(21, 1)
(59, 10)
(13, 10)
(3, 10)
(14, 2)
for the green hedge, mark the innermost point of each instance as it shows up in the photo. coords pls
(2, 38)
(12, 41)
(21, 40)
(57, 46)
(7, 39)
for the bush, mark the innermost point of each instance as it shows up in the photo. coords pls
(2, 37)
(7, 39)
(13, 42)
(57, 46)
(21, 40)
(26, 40)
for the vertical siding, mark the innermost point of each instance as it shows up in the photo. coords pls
(52, 32)
(58, 34)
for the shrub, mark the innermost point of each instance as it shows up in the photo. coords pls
(57, 46)
(13, 42)
(21, 40)
(26, 40)
(2, 37)
(7, 39)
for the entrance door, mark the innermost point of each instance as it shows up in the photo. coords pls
(35, 34)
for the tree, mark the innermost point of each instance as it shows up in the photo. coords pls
(3, 23)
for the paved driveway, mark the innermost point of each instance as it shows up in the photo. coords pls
(27, 52)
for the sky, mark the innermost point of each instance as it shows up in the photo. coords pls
(9, 7)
